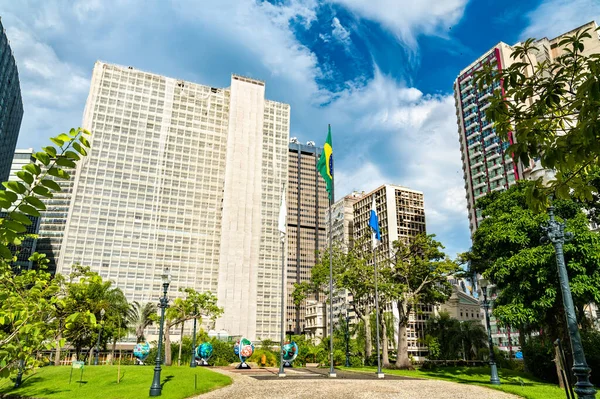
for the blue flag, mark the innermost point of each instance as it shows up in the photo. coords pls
(374, 224)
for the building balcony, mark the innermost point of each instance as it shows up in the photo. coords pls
(473, 145)
(488, 126)
(472, 135)
(478, 174)
(477, 164)
(480, 195)
(470, 116)
(494, 167)
(473, 123)
(485, 96)
(472, 105)
(491, 146)
(486, 106)
(479, 185)
(497, 177)
(493, 156)
(467, 98)
(498, 188)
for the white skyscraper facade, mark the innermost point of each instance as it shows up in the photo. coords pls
(188, 177)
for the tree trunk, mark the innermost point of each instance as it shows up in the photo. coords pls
(168, 345)
(114, 348)
(402, 361)
(385, 356)
(57, 351)
(368, 337)
(180, 343)
(91, 355)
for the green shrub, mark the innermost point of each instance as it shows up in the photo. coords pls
(272, 358)
(591, 347)
(538, 355)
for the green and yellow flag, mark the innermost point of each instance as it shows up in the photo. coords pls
(325, 164)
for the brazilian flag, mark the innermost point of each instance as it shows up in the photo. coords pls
(325, 164)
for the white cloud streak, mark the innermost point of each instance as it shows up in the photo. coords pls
(554, 17)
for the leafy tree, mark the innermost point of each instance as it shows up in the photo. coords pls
(194, 306)
(552, 107)
(441, 329)
(139, 317)
(507, 249)
(88, 294)
(419, 270)
(350, 272)
(28, 299)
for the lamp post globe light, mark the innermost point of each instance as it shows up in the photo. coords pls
(554, 232)
(193, 361)
(156, 389)
(494, 379)
(102, 313)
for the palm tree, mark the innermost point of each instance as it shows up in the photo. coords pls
(469, 336)
(139, 317)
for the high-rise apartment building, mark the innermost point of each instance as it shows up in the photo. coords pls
(54, 219)
(11, 105)
(485, 166)
(188, 177)
(307, 203)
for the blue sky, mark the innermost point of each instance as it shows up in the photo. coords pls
(380, 71)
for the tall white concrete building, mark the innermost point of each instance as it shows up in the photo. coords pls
(188, 177)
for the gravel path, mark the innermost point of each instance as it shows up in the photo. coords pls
(300, 385)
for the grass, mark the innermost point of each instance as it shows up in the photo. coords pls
(514, 382)
(100, 382)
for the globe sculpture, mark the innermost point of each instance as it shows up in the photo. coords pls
(141, 351)
(244, 349)
(289, 352)
(204, 352)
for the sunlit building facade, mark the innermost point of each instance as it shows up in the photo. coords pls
(186, 177)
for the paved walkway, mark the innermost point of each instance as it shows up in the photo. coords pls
(313, 383)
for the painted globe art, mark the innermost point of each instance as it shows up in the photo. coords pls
(141, 351)
(290, 351)
(244, 349)
(204, 351)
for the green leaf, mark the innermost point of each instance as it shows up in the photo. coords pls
(15, 186)
(57, 141)
(19, 217)
(73, 132)
(43, 191)
(57, 172)
(42, 157)
(4, 204)
(51, 184)
(25, 176)
(84, 131)
(84, 141)
(29, 210)
(32, 168)
(5, 252)
(36, 202)
(79, 149)
(51, 151)
(61, 161)
(8, 196)
(14, 226)
(64, 137)
(72, 155)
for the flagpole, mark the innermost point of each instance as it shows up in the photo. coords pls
(282, 231)
(331, 199)
(379, 373)
(281, 372)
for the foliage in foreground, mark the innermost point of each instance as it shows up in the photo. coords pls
(552, 111)
(28, 298)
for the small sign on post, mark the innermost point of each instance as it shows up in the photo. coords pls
(77, 365)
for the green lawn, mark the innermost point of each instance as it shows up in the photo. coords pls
(514, 382)
(100, 382)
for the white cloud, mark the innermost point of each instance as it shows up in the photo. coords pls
(408, 18)
(554, 17)
(339, 32)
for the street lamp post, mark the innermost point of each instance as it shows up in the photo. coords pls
(102, 312)
(494, 379)
(156, 389)
(554, 232)
(193, 361)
